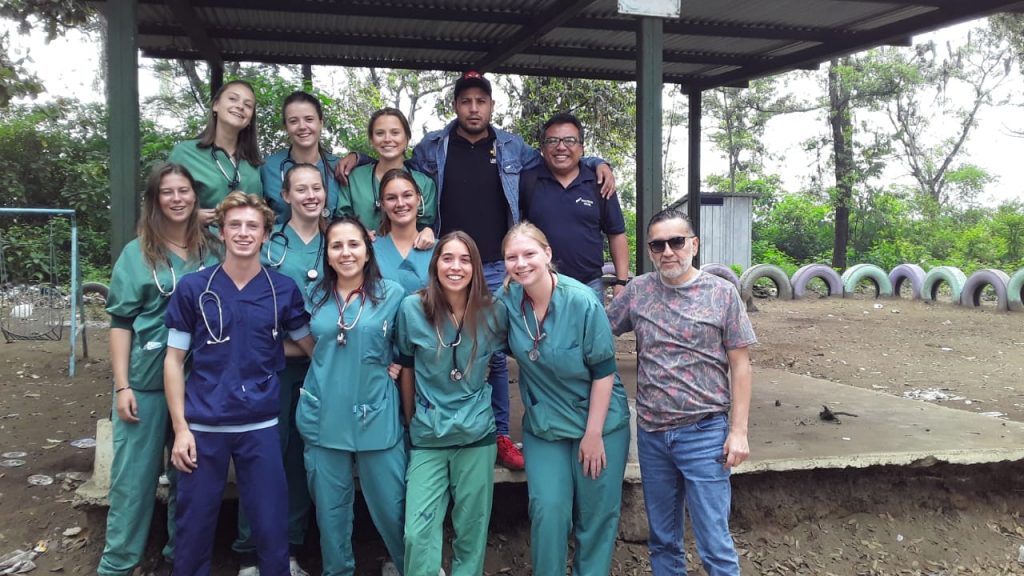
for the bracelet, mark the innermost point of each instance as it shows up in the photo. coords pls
(119, 390)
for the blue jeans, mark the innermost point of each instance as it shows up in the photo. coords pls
(597, 286)
(494, 274)
(681, 469)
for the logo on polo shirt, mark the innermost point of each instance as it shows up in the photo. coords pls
(585, 202)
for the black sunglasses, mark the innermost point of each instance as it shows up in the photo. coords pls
(675, 243)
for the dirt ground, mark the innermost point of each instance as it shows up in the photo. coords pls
(939, 520)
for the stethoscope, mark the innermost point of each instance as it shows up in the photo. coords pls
(209, 294)
(342, 326)
(174, 277)
(534, 353)
(174, 281)
(455, 375)
(234, 181)
(311, 274)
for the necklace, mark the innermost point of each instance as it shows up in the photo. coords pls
(342, 326)
(534, 353)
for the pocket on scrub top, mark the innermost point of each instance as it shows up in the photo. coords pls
(307, 416)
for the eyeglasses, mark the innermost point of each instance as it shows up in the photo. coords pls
(675, 243)
(554, 141)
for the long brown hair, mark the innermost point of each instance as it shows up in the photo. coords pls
(479, 304)
(373, 283)
(397, 174)
(151, 227)
(248, 148)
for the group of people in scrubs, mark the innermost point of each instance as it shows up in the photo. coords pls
(331, 335)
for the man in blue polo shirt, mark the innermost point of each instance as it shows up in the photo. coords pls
(563, 199)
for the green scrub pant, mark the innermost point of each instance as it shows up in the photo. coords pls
(331, 475)
(562, 498)
(299, 502)
(468, 475)
(138, 463)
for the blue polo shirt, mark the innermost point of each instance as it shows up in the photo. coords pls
(572, 218)
(234, 351)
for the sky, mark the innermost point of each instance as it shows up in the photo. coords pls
(71, 66)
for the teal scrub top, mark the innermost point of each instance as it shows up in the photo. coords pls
(135, 296)
(578, 348)
(348, 401)
(449, 413)
(361, 197)
(285, 252)
(410, 272)
(211, 183)
(272, 176)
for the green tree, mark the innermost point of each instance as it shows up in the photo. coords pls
(54, 18)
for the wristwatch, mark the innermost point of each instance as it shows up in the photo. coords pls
(620, 282)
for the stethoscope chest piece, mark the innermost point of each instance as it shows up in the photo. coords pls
(312, 274)
(455, 375)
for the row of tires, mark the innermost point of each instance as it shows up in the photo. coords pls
(966, 291)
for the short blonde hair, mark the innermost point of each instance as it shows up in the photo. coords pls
(239, 199)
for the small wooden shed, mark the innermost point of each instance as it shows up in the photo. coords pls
(725, 227)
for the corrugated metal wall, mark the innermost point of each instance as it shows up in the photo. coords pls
(725, 234)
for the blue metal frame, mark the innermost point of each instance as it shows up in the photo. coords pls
(76, 289)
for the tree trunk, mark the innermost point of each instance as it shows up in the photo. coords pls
(840, 119)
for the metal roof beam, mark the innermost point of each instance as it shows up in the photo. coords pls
(674, 57)
(960, 12)
(698, 28)
(527, 35)
(390, 10)
(625, 76)
(190, 22)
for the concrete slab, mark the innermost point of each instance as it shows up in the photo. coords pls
(787, 434)
(785, 431)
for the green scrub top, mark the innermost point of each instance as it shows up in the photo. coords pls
(448, 413)
(211, 183)
(362, 194)
(136, 297)
(410, 272)
(348, 401)
(272, 173)
(285, 252)
(578, 348)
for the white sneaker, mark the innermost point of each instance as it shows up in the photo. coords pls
(294, 568)
(249, 571)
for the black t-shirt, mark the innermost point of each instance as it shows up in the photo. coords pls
(472, 199)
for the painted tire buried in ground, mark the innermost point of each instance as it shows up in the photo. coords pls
(98, 288)
(722, 271)
(907, 272)
(970, 296)
(1015, 291)
(951, 275)
(777, 275)
(855, 274)
(811, 271)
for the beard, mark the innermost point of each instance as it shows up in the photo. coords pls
(675, 272)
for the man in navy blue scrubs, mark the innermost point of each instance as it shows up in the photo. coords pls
(232, 321)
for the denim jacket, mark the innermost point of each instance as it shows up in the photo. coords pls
(512, 153)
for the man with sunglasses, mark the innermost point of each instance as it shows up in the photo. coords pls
(693, 396)
(563, 199)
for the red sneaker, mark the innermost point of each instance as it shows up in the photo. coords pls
(508, 455)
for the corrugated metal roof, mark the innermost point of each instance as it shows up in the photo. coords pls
(713, 43)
